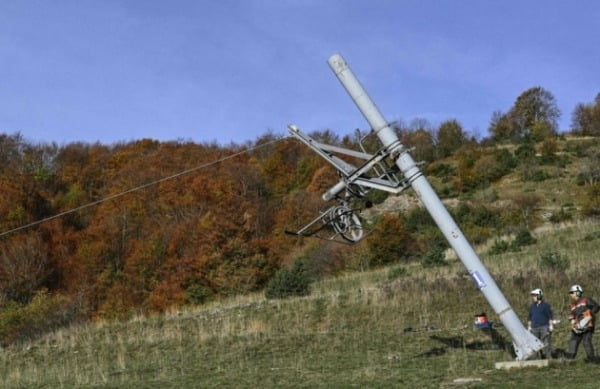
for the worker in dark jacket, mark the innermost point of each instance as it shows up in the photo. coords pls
(540, 321)
(582, 314)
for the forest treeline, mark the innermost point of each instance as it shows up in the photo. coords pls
(216, 226)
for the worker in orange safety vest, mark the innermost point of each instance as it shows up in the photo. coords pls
(582, 311)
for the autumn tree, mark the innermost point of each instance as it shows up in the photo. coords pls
(11, 151)
(420, 136)
(282, 168)
(501, 128)
(586, 118)
(12, 212)
(450, 137)
(24, 268)
(391, 242)
(534, 116)
(466, 175)
(526, 204)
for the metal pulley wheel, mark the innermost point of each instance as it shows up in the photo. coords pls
(346, 223)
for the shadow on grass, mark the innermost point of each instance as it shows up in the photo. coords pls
(496, 342)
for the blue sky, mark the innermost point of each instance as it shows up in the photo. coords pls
(231, 70)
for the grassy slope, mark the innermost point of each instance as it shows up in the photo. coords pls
(352, 331)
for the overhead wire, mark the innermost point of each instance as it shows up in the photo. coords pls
(140, 187)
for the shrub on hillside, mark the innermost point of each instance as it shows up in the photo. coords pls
(488, 195)
(435, 257)
(447, 191)
(442, 170)
(492, 167)
(523, 238)
(396, 272)
(480, 222)
(324, 260)
(289, 282)
(499, 247)
(506, 160)
(45, 313)
(197, 294)
(417, 219)
(376, 196)
(591, 236)
(591, 203)
(554, 261)
(538, 175)
(565, 214)
(525, 153)
(524, 206)
(477, 215)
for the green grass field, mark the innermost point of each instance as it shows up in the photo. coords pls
(363, 330)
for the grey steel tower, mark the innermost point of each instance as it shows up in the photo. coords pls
(524, 342)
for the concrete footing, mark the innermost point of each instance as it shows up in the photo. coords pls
(532, 363)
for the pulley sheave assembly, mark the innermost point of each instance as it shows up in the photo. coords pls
(377, 172)
(339, 223)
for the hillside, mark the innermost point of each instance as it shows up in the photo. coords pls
(163, 285)
(398, 326)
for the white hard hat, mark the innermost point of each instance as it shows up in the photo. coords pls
(537, 292)
(576, 289)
